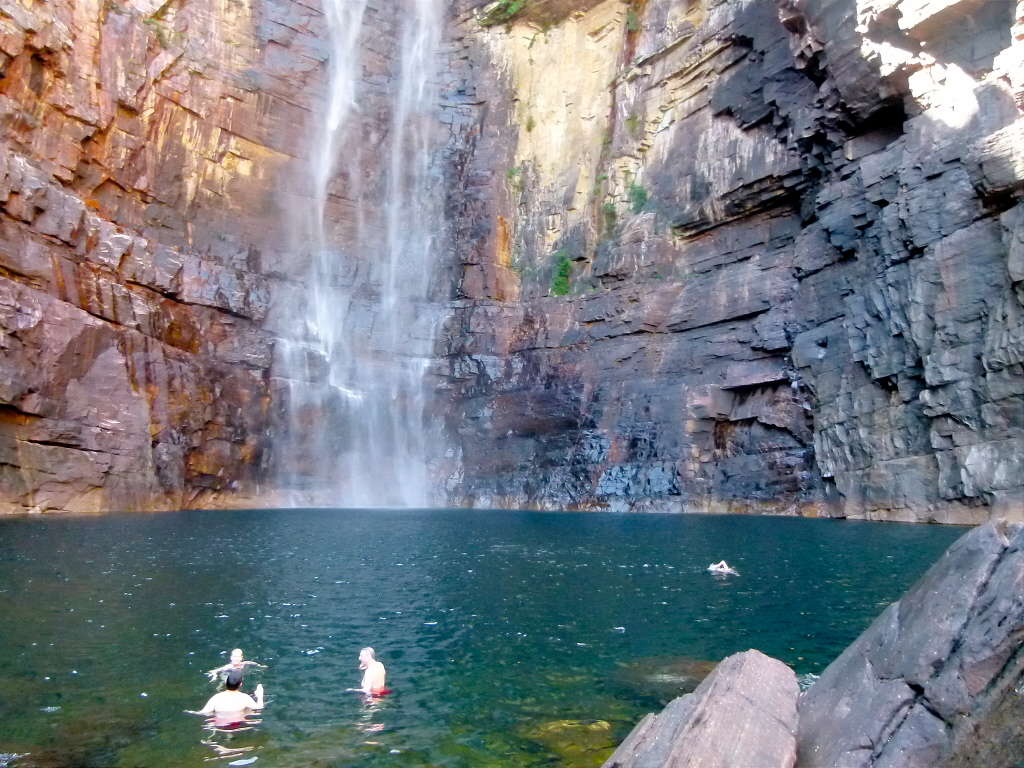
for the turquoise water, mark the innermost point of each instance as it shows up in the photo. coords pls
(511, 638)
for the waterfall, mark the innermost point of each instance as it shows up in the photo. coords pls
(354, 391)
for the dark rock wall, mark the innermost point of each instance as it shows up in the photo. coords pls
(793, 254)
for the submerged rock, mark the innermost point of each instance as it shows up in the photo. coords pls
(576, 742)
(743, 714)
(663, 677)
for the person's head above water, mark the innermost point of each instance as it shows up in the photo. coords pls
(237, 656)
(233, 681)
(366, 657)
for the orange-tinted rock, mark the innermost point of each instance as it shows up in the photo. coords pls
(140, 175)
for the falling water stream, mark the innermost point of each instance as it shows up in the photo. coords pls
(356, 427)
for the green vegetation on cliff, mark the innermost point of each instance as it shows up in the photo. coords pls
(501, 12)
(543, 14)
(610, 218)
(560, 277)
(637, 197)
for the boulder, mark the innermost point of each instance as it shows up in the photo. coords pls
(934, 679)
(743, 714)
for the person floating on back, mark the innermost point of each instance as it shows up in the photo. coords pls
(237, 664)
(230, 706)
(723, 568)
(373, 675)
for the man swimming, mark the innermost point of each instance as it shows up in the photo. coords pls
(230, 706)
(237, 664)
(724, 568)
(373, 677)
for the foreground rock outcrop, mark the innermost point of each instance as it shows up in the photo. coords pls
(744, 713)
(937, 680)
(929, 682)
(735, 255)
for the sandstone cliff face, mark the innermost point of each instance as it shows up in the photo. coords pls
(789, 241)
(144, 148)
(723, 255)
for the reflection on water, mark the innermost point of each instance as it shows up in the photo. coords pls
(221, 734)
(511, 639)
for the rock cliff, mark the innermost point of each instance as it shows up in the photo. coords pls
(143, 145)
(733, 255)
(711, 255)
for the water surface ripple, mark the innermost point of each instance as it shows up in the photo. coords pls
(511, 638)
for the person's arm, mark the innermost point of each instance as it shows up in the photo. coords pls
(259, 697)
(212, 674)
(207, 710)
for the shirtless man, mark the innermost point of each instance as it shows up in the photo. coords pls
(230, 706)
(238, 664)
(373, 677)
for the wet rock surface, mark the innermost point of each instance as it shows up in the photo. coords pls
(792, 236)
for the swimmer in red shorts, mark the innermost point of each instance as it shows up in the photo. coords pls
(374, 674)
(230, 706)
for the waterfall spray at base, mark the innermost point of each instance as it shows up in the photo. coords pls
(352, 381)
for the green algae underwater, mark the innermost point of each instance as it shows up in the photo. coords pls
(511, 638)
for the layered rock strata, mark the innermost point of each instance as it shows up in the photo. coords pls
(727, 255)
(143, 150)
(711, 255)
(936, 680)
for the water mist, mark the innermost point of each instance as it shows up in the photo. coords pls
(355, 395)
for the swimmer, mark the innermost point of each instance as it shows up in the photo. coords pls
(237, 664)
(724, 568)
(373, 676)
(230, 706)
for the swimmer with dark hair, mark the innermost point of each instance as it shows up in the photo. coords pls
(237, 664)
(230, 706)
